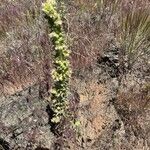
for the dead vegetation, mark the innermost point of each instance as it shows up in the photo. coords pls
(95, 31)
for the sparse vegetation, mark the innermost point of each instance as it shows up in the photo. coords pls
(104, 103)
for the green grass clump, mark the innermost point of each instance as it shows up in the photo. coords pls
(135, 26)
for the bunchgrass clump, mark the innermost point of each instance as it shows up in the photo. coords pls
(135, 33)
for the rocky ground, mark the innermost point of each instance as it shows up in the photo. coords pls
(110, 99)
(110, 118)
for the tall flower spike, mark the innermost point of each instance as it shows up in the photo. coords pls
(62, 71)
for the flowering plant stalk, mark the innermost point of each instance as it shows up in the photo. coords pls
(61, 72)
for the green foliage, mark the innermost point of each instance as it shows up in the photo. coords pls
(61, 72)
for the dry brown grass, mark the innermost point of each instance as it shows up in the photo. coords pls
(90, 25)
(25, 47)
(132, 107)
(137, 102)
